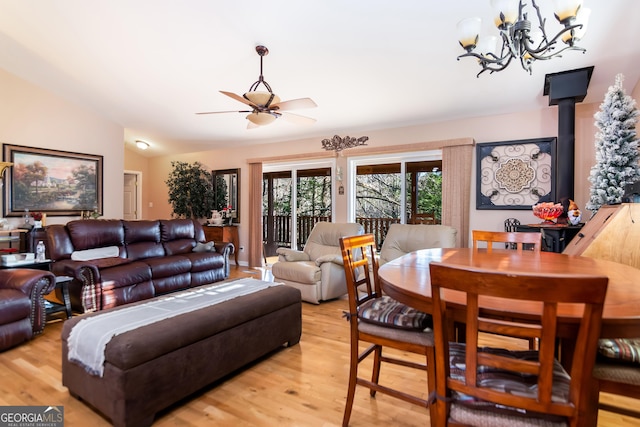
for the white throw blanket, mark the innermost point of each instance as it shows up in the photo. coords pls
(89, 337)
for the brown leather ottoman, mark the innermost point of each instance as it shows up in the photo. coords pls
(150, 368)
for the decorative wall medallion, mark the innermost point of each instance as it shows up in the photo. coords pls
(515, 174)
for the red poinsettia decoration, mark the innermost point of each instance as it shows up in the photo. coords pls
(37, 216)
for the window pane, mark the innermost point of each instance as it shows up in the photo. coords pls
(313, 200)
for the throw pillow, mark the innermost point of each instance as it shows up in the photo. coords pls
(96, 253)
(204, 247)
(627, 349)
(386, 311)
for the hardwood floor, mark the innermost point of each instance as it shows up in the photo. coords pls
(304, 385)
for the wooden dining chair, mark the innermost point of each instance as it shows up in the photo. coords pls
(513, 240)
(380, 321)
(511, 224)
(519, 239)
(621, 375)
(486, 386)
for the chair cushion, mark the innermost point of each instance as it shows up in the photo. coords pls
(386, 311)
(467, 408)
(616, 371)
(627, 349)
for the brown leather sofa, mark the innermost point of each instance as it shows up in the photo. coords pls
(22, 310)
(153, 258)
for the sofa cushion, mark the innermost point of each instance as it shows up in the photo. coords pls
(167, 266)
(302, 272)
(141, 231)
(109, 262)
(126, 274)
(385, 311)
(176, 229)
(143, 250)
(95, 234)
(202, 261)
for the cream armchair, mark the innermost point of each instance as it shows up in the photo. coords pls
(317, 271)
(404, 238)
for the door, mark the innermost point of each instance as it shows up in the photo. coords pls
(130, 195)
(294, 198)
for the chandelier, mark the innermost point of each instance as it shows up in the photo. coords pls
(519, 39)
(338, 144)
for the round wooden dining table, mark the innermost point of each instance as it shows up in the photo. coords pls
(407, 280)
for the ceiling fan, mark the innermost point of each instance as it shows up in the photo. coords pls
(266, 106)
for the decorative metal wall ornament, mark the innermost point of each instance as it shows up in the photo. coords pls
(519, 39)
(338, 144)
(515, 174)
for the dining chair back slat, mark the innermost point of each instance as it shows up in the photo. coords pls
(521, 240)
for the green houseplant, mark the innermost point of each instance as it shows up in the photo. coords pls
(190, 190)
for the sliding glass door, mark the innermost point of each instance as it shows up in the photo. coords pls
(393, 189)
(294, 198)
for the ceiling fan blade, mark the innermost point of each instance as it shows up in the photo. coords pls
(298, 119)
(295, 104)
(238, 98)
(220, 112)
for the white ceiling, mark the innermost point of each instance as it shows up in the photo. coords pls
(149, 65)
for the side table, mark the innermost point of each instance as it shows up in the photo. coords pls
(62, 283)
(224, 233)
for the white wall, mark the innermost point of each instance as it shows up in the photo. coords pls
(33, 117)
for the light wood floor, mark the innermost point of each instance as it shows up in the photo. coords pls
(300, 386)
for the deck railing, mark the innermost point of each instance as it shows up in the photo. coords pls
(282, 228)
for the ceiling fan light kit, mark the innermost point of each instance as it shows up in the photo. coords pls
(261, 119)
(519, 39)
(266, 106)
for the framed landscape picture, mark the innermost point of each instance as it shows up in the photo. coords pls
(515, 174)
(58, 183)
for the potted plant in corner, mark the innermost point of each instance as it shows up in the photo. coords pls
(190, 190)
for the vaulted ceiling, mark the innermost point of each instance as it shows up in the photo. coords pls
(150, 65)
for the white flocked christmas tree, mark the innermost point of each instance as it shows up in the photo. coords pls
(617, 156)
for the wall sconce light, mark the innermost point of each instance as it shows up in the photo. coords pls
(339, 180)
(142, 144)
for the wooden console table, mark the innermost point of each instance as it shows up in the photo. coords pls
(223, 233)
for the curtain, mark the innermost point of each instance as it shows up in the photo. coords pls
(255, 214)
(456, 189)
